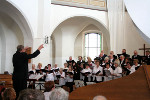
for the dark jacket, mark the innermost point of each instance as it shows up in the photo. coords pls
(20, 63)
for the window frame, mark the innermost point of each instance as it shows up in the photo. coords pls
(98, 47)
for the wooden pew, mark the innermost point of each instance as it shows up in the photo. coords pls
(132, 87)
(6, 80)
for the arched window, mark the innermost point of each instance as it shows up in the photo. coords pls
(92, 45)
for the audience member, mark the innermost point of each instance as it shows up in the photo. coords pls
(9, 94)
(59, 94)
(31, 94)
(49, 87)
(99, 97)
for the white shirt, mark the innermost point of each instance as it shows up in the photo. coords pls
(68, 78)
(62, 79)
(96, 69)
(32, 70)
(132, 69)
(136, 66)
(49, 77)
(110, 69)
(47, 94)
(118, 71)
(87, 70)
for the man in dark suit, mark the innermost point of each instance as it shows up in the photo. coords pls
(70, 61)
(20, 64)
(136, 56)
(148, 57)
(80, 60)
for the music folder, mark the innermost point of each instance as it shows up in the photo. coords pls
(107, 73)
(86, 73)
(98, 72)
(35, 77)
(49, 71)
(70, 73)
(56, 70)
(31, 72)
(65, 70)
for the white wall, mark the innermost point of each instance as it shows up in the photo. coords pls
(133, 40)
(68, 31)
(29, 9)
(61, 13)
(11, 36)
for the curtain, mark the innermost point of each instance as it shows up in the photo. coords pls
(116, 17)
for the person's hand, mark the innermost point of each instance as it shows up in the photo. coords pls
(40, 47)
(26, 48)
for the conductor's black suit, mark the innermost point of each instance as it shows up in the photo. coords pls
(20, 72)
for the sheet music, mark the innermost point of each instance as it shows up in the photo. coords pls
(37, 77)
(107, 72)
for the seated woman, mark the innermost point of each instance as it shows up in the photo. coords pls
(69, 78)
(118, 70)
(108, 72)
(62, 77)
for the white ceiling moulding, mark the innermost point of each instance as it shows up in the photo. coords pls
(86, 4)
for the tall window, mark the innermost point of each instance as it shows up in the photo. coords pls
(92, 45)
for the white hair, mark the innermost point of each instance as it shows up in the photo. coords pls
(59, 94)
(106, 58)
(99, 97)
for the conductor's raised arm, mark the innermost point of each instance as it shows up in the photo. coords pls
(36, 53)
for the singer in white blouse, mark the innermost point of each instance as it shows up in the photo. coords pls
(118, 70)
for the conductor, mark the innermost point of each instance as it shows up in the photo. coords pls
(20, 64)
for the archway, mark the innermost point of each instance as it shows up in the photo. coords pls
(14, 30)
(65, 35)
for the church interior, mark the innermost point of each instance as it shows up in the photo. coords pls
(70, 29)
